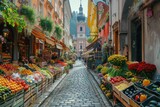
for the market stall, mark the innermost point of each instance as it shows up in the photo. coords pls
(129, 83)
(21, 85)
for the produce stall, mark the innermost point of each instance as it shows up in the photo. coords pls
(22, 85)
(129, 84)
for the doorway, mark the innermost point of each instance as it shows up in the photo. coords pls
(116, 42)
(136, 40)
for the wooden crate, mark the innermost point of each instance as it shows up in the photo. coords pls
(27, 103)
(125, 98)
(116, 84)
(7, 103)
(18, 103)
(27, 95)
(134, 104)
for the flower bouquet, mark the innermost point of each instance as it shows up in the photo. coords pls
(117, 60)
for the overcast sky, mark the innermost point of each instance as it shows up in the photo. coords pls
(76, 3)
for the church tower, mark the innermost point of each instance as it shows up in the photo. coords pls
(81, 31)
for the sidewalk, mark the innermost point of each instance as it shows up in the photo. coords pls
(48, 92)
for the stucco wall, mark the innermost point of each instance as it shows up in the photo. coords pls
(152, 37)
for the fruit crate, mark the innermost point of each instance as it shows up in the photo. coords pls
(27, 94)
(153, 100)
(18, 103)
(8, 102)
(129, 92)
(135, 103)
(33, 89)
(118, 83)
(33, 98)
(152, 88)
(39, 87)
(27, 103)
(50, 81)
(19, 95)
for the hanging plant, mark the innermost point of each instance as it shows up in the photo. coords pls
(29, 13)
(11, 16)
(46, 24)
(58, 31)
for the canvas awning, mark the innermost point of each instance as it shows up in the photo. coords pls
(50, 41)
(88, 52)
(59, 46)
(38, 34)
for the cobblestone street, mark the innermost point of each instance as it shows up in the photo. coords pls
(75, 90)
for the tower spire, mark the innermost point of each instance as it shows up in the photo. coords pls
(80, 2)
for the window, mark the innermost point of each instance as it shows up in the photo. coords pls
(81, 29)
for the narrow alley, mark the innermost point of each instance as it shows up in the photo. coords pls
(76, 90)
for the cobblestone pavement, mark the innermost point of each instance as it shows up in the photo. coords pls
(75, 91)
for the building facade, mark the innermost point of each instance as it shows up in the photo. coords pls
(81, 32)
(67, 17)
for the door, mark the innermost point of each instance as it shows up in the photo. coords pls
(136, 40)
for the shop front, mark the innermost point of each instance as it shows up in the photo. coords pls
(6, 43)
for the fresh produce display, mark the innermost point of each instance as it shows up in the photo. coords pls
(122, 86)
(26, 72)
(62, 63)
(113, 72)
(152, 102)
(130, 91)
(146, 82)
(35, 67)
(4, 92)
(141, 96)
(8, 68)
(46, 72)
(155, 87)
(116, 79)
(19, 81)
(104, 70)
(12, 85)
(99, 67)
